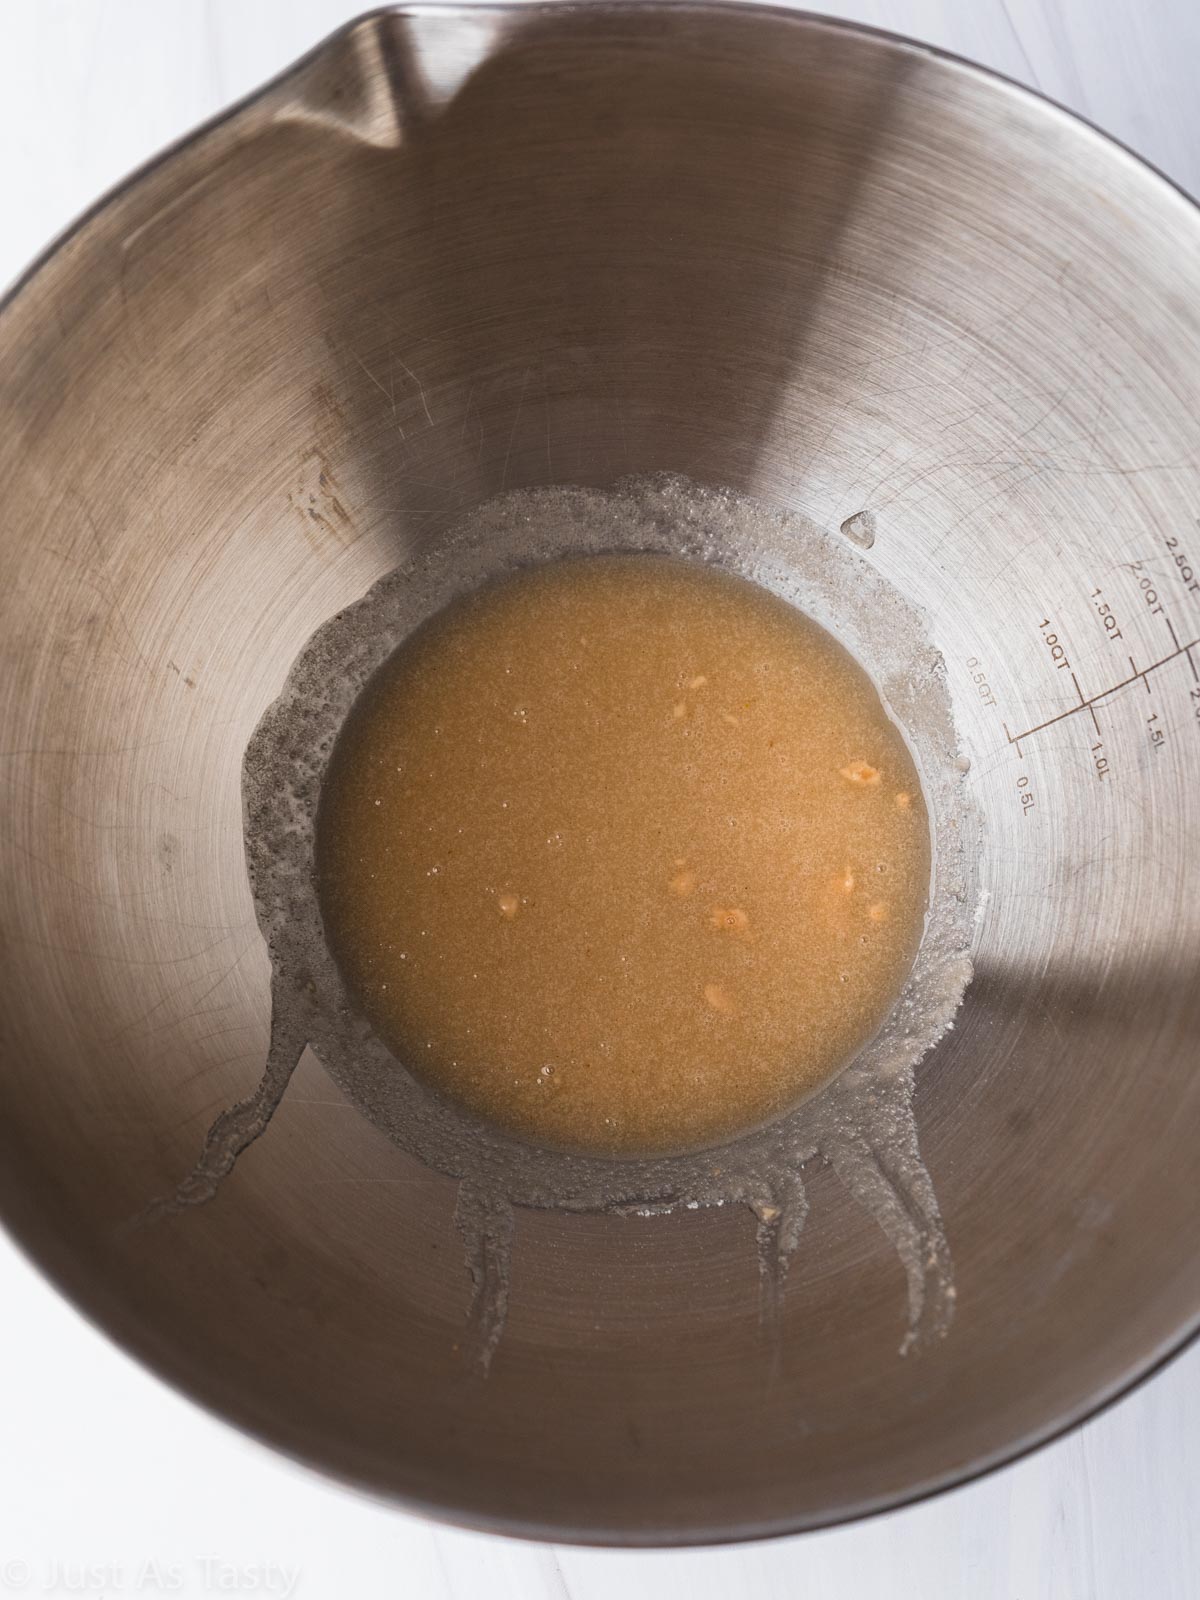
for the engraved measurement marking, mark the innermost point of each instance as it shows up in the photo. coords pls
(1057, 653)
(1093, 700)
(1187, 573)
(979, 679)
(1083, 702)
(1146, 585)
(1106, 615)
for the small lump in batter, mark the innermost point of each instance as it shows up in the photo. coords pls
(624, 854)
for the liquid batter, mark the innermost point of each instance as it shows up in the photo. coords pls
(624, 854)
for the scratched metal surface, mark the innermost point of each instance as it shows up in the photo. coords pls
(1073, 438)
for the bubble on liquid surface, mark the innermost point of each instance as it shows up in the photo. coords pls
(861, 1123)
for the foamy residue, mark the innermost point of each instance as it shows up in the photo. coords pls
(862, 1123)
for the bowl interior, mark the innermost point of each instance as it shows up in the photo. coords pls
(455, 252)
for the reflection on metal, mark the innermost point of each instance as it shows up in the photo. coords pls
(828, 269)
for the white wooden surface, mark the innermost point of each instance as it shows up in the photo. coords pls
(109, 1484)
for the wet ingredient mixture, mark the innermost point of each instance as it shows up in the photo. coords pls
(624, 854)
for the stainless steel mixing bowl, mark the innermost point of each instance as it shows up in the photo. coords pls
(458, 250)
